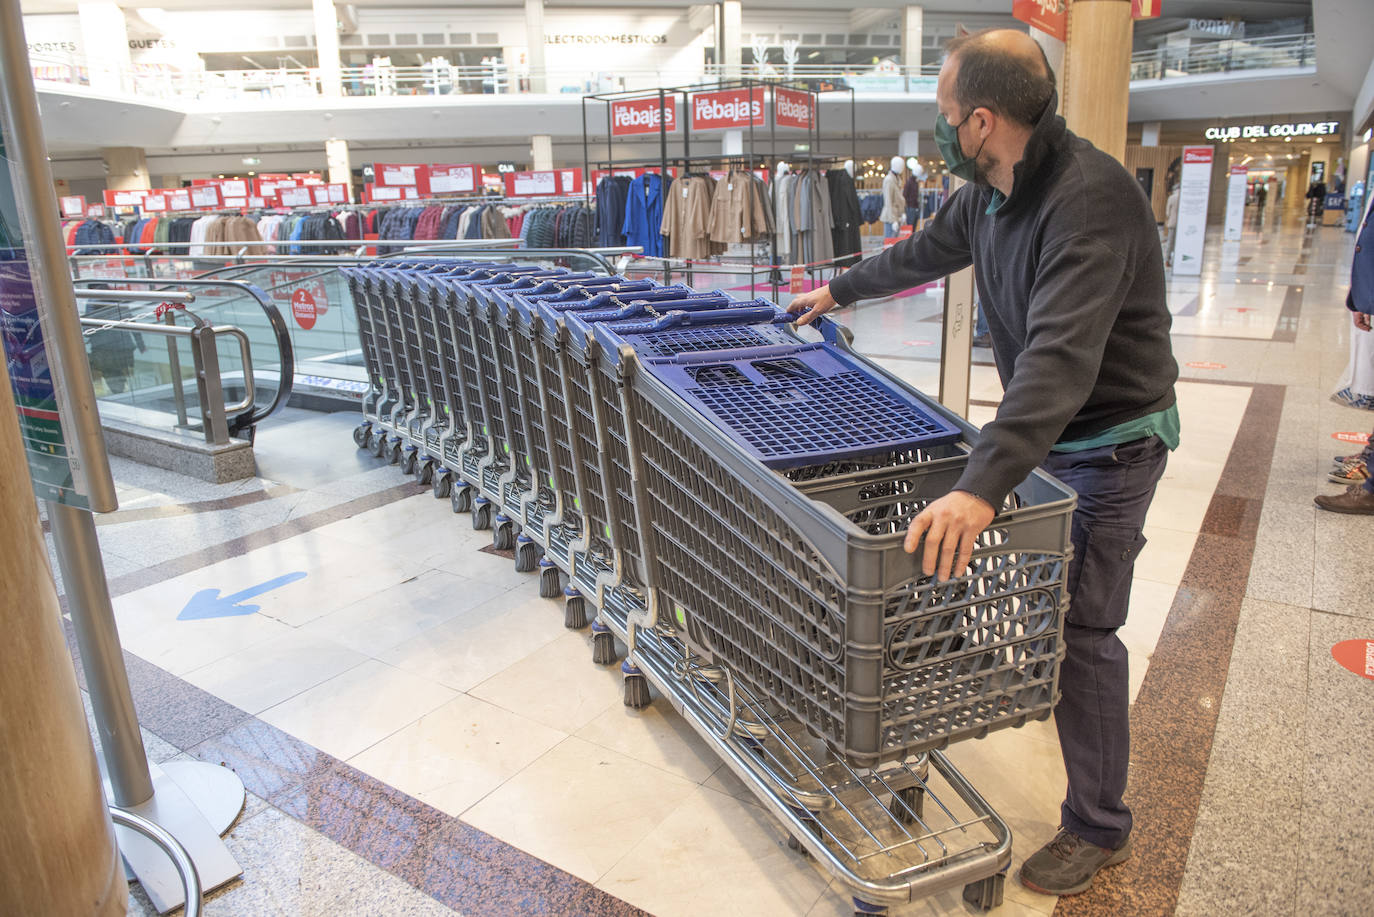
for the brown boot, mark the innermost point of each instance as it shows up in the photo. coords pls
(1355, 500)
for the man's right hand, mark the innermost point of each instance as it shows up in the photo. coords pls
(1361, 319)
(814, 304)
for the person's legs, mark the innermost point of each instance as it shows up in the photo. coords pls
(1358, 499)
(1115, 486)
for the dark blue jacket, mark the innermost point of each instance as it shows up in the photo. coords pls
(644, 214)
(1361, 295)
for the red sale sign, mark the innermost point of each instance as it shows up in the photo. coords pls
(454, 179)
(73, 205)
(1198, 154)
(569, 181)
(794, 109)
(303, 308)
(1050, 16)
(402, 175)
(531, 184)
(643, 116)
(727, 108)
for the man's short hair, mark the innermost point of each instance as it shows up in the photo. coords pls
(1008, 84)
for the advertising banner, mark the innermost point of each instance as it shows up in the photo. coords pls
(402, 175)
(1235, 204)
(794, 109)
(569, 181)
(642, 116)
(294, 197)
(73, 205)
(234, 187)
(725, 109)
(131, 198)
(530, 184)
(1194, 183)
(1050, 16)
(206, 197)
(454, 179)
(381, 193)
(155, 203)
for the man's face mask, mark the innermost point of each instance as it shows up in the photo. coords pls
(947, 140)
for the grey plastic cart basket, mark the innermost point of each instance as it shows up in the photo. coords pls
(805, 593)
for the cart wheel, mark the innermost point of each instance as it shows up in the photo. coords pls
(866, 909)
(442, 483)
(986, 894)
(395, 457)
(409, 458)
(550, 580)
(908, 804)
(526, 555)
(574, 610)
(425, 473)
(636, 686)
(361, 433)
(379, 444)
(460, 497)
(481, 514)
(603, 644)
(503, 533)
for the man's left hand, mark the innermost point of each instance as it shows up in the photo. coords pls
(951, 525)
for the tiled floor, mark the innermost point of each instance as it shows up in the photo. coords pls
(418, 730)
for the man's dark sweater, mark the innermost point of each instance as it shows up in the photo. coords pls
(1071, 275)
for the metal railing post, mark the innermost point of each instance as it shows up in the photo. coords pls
(206, 354)
(174, 363)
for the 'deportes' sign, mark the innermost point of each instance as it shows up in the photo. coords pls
(727, 108)
(643, 116)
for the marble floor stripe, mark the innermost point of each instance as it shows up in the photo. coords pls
(1175, 715)
(456, 864)
(177, 566)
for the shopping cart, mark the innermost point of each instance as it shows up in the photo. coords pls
(729, 501)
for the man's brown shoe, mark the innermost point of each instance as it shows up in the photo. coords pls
(1356, 501)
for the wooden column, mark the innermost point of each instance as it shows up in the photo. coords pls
(57, 847)
(1097, 73)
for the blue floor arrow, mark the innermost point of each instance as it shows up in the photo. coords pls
(208, 603)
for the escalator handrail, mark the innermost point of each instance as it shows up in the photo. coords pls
(252, 417)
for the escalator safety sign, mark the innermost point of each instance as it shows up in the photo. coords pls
(303, 308)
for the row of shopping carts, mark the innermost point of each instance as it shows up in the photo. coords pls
(728, 500)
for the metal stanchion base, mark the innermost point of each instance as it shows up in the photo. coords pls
(196, 802)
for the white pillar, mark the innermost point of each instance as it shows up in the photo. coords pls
(126, 168)
(105, 38)
(731, 38)
(1149, 133)
(534, 43)
(327, 47)
(340, 164)
(909, 143)
(541, 152)
(913, 29)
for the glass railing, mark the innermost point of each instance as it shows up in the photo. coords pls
(1226, 56)
(308, 296)
(1284, 52)
(186, 356)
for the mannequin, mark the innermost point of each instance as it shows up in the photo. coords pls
(849, 167)
(894, 204)
(911, 192)
(782, 169)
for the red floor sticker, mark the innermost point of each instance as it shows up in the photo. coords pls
(1356, 655)
(918, 343)
(1203, 364)
(1358, 438)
